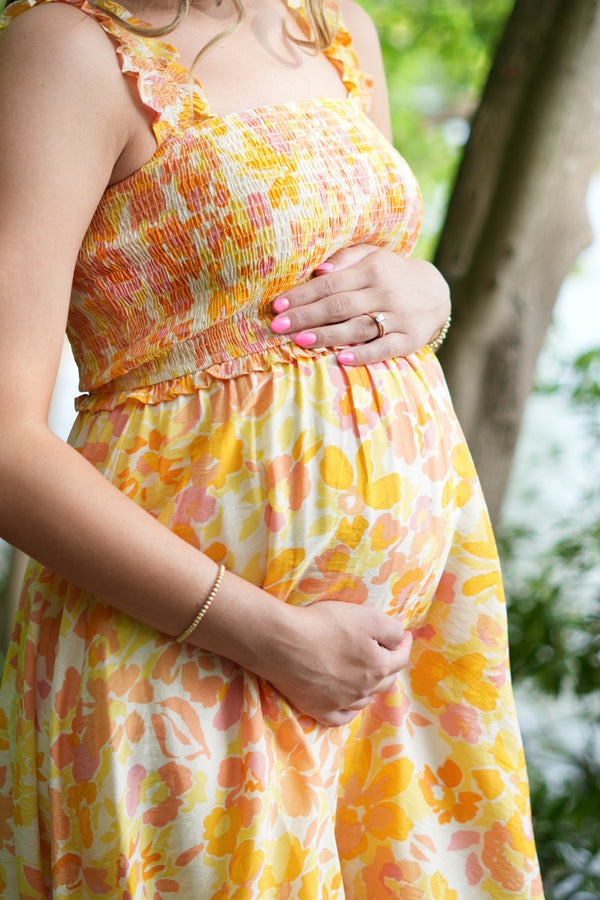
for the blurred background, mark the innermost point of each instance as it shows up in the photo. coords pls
(438, 55)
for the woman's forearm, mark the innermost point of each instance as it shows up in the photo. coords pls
(57, 508)
(328, 659)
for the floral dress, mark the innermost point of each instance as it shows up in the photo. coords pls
(134, 767)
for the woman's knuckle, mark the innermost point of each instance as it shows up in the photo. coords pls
(377, 265)
(374, 267)
(327, 285)
(388, 348)
(337, 307)
(363, 330)
(301, 319)
(381, 670)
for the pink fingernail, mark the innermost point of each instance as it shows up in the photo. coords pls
(324, 267)
(281, 304)
(281, 323)
(345, 357)
(305, 338)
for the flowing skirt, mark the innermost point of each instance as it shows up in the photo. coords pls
(133, 767)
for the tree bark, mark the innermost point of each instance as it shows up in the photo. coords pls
(517, 219)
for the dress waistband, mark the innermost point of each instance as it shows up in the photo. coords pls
(146, 363)
(224, 351)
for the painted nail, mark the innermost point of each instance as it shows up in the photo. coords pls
(281, 304)
(281, 323)
(345, 357)
(324, 267)
(305, 338)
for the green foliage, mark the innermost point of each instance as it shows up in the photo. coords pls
(581, 384)
(554, 621)
(586, 387)
(437, 54)
(567, 829)
(553, 640)
(554, 624)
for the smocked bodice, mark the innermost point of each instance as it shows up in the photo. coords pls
(183, 258)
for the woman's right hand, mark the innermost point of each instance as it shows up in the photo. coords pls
(336, 658)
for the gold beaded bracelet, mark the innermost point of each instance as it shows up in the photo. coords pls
(437, 342)
(205, 606)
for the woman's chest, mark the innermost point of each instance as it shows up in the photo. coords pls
(262, 192)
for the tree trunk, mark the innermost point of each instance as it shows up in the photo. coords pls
(517, 218)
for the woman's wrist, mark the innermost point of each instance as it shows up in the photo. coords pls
(440, 336)
(242, 622)
(204, 607)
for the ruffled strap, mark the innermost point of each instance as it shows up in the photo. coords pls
(160, 79)
(341, 52)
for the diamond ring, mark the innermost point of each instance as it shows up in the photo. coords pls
(379, 320)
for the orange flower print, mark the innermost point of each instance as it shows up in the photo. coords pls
(443, 796)
(389, 879)
(442, 681)
(336, 579)
(288, 482)
(504, 865)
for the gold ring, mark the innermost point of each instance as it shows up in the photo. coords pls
(379, 320)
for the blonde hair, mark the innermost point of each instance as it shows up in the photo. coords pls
(321, 30)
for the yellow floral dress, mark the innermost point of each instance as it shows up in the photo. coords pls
(133, 767)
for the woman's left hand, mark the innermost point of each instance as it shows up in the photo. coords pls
(331, 309)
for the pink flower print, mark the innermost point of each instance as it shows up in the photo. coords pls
(194, 504)
(351, 503)
(259, 212)
(461, 721)
(134, 785)
(421, 518)
(275, 521)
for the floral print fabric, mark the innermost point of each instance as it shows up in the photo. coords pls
(134, 767)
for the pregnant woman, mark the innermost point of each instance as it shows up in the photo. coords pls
(211, 691)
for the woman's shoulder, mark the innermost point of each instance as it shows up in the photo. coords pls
(55, 52)
(68, 40)
(72, 35)
(364, 34)
(358, 19)
(62, 19)
(58, 67)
